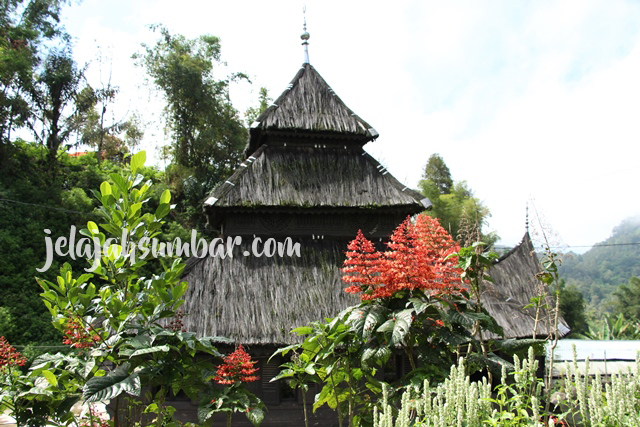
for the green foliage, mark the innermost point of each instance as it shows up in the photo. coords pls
(627, 299)
(592, 402)
(598, 272)
(459, 402)
(459, 212)
(234, 398)
(115, 317)
(437, 173)
(264, 100)
(345, 353)
(54, 204)
(207, 133)
(572, 308)
(53, 94)
(6, 323)
(613, 327)
(113, 140)
(23, 179)
(25, 26)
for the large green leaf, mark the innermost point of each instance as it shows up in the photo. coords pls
(118, 381)
(373, 354)
(137, 161)
(255, 415)
(398, 326)
(155, 349)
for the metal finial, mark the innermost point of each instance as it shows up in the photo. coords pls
(526, 223)
(305, 36)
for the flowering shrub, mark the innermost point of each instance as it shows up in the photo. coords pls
(413, 300)
(122, 314)
(237, 367)
(76, 335)
(9, 356)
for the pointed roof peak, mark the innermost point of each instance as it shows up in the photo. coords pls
(309, 107)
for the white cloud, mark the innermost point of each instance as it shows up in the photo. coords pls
(522, 99)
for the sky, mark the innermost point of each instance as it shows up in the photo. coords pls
(533, 103)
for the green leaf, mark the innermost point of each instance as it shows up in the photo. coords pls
(255, 415)
(204, 412)
(50, 377)
(120, 182)
(398, 326)
(137, 161)
(165, 197)
(303, 330)
(93, 227)
(134, 209)
(119, 381)
(162, 210)
(375, 354)
(155, 349)
(105, 189)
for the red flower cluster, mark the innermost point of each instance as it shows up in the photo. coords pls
(237, 366)
(416, 259)
(77, 336)
(9, 356)
(177, 325)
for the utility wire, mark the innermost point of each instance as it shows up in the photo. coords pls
(2, 199)
(580, 246)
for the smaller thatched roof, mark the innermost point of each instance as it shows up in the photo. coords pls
(346, 178)
(309, 105)
(515, 283)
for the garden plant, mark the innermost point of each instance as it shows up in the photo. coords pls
(123, 323)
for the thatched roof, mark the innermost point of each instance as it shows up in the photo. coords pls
(314, 177)
(310, 105)
(259, 300)
(515, 284)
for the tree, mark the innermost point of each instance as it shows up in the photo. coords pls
(459, 212)
(24, 26)
(253, 113)
(53, 96)
(628, 299)
(438, 173)
(117, 318)
(208, 134)
(114, 140)
(572, 307)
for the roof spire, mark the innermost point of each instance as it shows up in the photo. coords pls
(526, 223)
(305, 36)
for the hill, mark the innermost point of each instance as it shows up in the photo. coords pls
(599, 271)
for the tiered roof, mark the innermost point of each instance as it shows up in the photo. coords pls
(309, 105)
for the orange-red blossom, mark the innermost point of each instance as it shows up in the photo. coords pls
(237, 366)
(416, 259)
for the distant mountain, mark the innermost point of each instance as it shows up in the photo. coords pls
(599, 271)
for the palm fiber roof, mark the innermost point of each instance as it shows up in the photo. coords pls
(259, 300)
(309, 105)
(314, 177)
(515, 284)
